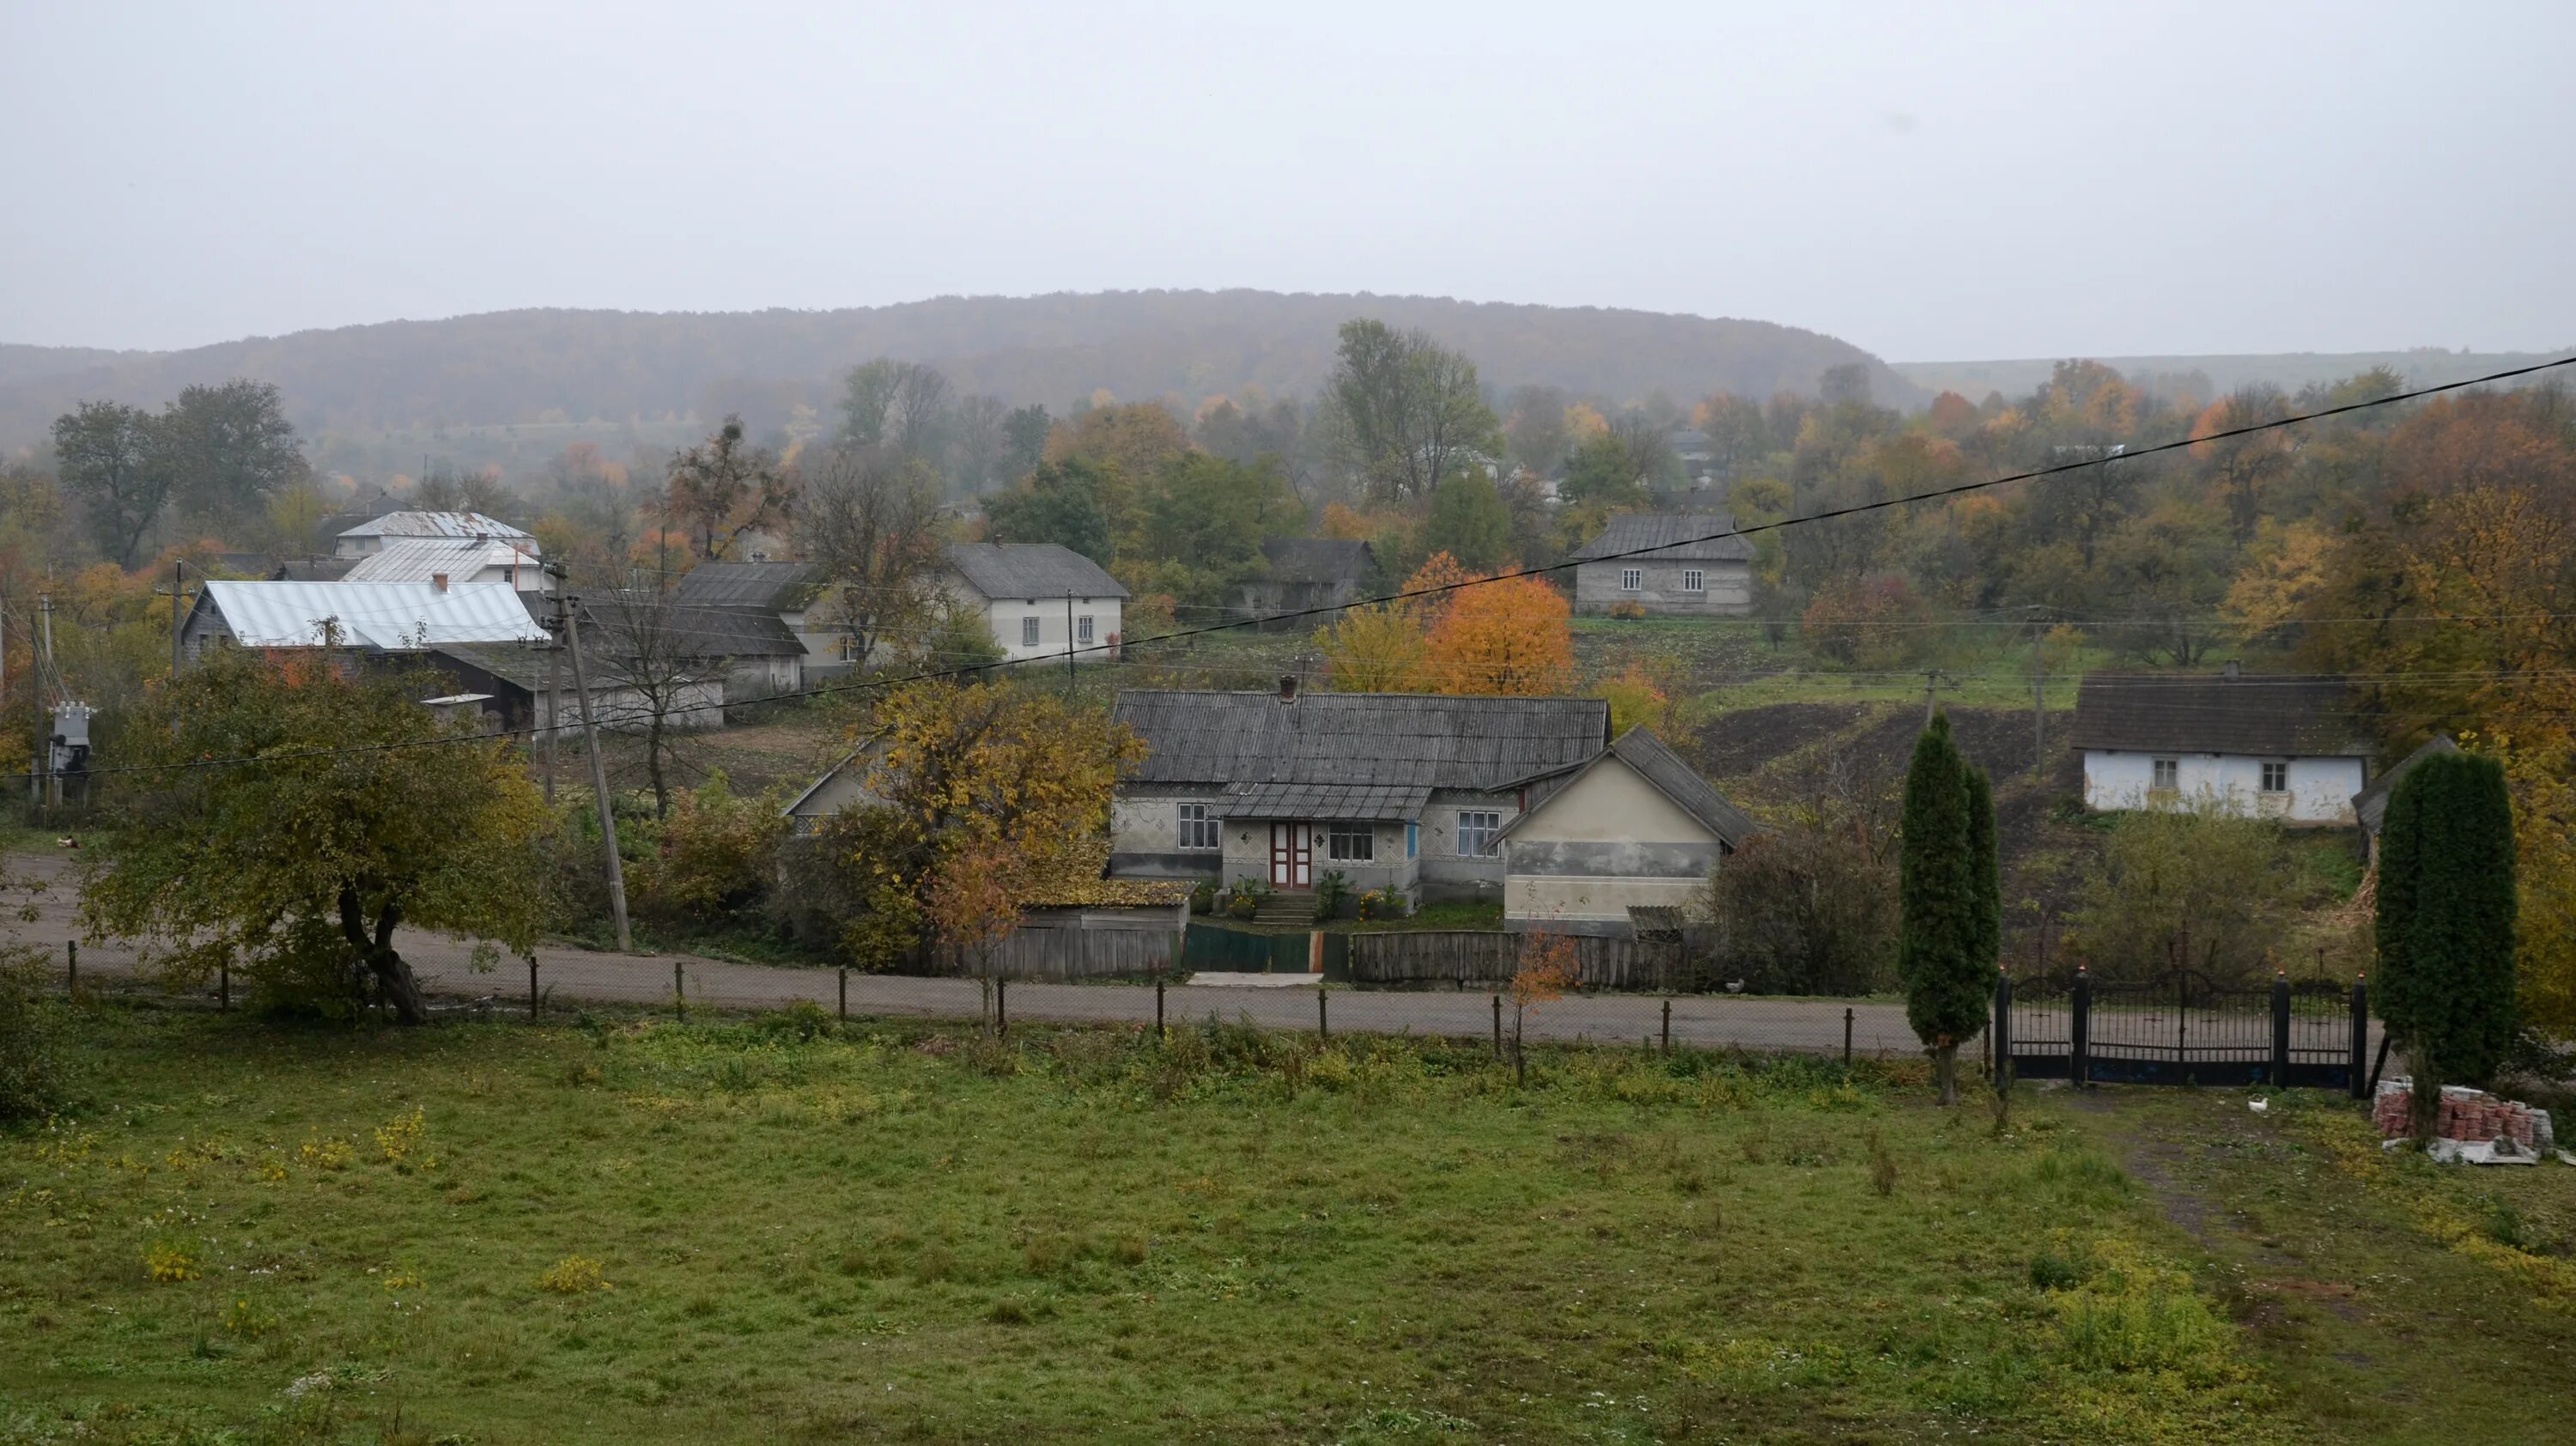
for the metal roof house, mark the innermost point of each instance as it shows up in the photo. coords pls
(1677, 564)
(2265, 746)
(1625, 840)
(1401, 792)
(379, 617)
(460, 560)
(373, 534)
(1041, 600)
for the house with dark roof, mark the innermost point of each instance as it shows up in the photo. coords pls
(1041, 600)
(792, 592)
(658, 645)
(2370, 806)
(1677, 564)
(1302, 574)
(2259, 745)
(1621, 844)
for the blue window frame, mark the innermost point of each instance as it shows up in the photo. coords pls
(1412, 839)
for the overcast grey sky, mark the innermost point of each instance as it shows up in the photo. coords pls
(1930, 182)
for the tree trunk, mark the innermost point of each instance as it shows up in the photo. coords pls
(388, 970)
(1945, 1072)
(2424, 1104)
(653, 766)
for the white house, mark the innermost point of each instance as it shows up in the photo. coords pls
(1635, 829)
(2263, 746)
(1040, 600)
(373, 534)
(379, 617)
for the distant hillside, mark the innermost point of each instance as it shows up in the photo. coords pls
(2421, 367)
(531, 366)
(22, 363)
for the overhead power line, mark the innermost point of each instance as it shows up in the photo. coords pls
(868, 685)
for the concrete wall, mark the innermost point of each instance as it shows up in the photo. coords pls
(1729, 588)
(1005, 616)
(1145, 834)
(2320, 791)
(1447, 873)
(1587, 905)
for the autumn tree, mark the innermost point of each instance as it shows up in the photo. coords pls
(2241, 471)
(1534, 428)
(869, 518)
(1407, 413)
(1470, 521)
(1376, 649)
(725, 487)
(105, 454)
(1130, 439)
(974, 902)
(1548, 965)
(1511, 635)
(351, 813)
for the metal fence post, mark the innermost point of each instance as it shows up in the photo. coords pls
(532, 986)
(2079, 1031)
(1847, 1033)
(679, 989)
(845, 993)
(2280, 1030)
(1001, 1006)
(71, 966)
(2360, 1034)
(1158, 1004)
(1498, 1026)
(2002, 1032)
(1323, 1020)
(1668, 1026)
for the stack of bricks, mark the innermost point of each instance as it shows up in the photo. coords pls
(2467, 1116)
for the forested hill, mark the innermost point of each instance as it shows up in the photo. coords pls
(525, 366)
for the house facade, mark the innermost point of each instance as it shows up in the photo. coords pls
(1674, 564)
(2279, 747)
(1041, 601)
(1396, 792)
(460, 560)
(1633, 830)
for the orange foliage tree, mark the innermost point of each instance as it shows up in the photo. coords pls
(1547, 968)
(1511, 635)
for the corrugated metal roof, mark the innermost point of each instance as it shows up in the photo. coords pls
(1678, 536)
(421, 558)
(392, 616)
(434, 524)
(772, 585)
(2279, 715)
(1030, 570)
(1412, 740)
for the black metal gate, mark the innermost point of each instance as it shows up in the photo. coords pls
(2184, 1028)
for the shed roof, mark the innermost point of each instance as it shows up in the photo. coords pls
(392, 616)
(2370, 805)
(517, 664)
(1030, 570)
(2277, 715)
(1318, 559)
(1667, 774)
(1326, 801)
(434, 524)
(420, 559)
(772, 585)
(1406, 739)
(1678, 536)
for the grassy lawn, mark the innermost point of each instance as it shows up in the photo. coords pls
(780, 1230)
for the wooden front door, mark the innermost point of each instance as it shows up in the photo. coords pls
(1292, 857)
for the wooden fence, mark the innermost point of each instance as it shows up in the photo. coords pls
(1067, 953)
(1486, 958)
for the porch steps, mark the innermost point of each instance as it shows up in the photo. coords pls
(1286, 909)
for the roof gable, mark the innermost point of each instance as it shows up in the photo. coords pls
(1030, 570)
(434, 524)
(2370, 806)
(1399, 739)
(774, 585)
(419, 559)
(2274, 715)
(1663, 770)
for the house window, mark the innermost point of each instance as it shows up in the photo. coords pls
(1476, 832)
(1082, 630)
(1631, 579)
(2165, 775)
(2276, 778)
(1351, 843)
(1694, 580)
(1412, 840)
(1198, 827)
(1028, 632)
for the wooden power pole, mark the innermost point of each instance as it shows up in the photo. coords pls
(598, 778)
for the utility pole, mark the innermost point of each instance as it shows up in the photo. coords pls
(554, 663)
(598, 776)
(40, 765)
(2038, 704)
(1931, 678)
(178, 617)
(1068, 641)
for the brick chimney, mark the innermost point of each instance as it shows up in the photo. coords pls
(1287, 688)
(438, 580)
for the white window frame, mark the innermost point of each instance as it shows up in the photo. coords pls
(1351, 843)
(2272, 770)
(1632, 579)
(2164, 775)
(1485, 825)
(1198, 829)
(1029, 631)
(1082, 630)
(1694, 580)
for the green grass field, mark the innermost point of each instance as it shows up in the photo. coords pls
(785, 1230)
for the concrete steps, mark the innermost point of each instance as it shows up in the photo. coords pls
(1286, 910)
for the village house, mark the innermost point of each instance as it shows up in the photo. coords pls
(2370, 806)
(362, 617)
(2258, 746)
(460, 560)
(374, 534)
(1631, 835)
(1301, 575)
(1039, 599)
(792, 592)
(1699, 566)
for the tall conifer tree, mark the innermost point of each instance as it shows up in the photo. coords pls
(2446, 924)
(1946, 986)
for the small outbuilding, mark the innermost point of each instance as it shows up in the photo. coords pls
(1626, 840)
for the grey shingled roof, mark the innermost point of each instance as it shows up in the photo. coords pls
(2371, 804)
(1665, 771)
(772, 585)
(693, 632)
(1398, 739)
(1030, 570)
(1678, 536)
(2274, 715)
(1318, 559)
(1326, 801)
